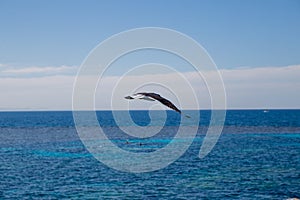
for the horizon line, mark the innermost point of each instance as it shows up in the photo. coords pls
(99, 110)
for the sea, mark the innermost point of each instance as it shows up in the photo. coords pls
(257, 156)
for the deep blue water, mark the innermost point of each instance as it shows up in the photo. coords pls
(256, 157)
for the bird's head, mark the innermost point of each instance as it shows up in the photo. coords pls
(128, 97)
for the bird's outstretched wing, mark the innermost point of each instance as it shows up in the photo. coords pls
(161, 99)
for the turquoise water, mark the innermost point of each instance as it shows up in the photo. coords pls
(256, 157)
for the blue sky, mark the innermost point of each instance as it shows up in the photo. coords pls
(42, 44)
(235, 33)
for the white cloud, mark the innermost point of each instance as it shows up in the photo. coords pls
(34, 71)
(40, 93)
(266, 87)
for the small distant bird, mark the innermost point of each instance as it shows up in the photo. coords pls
(152, 97)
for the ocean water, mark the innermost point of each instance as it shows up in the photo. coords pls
(256, 157)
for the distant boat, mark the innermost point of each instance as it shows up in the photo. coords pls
(266, 111)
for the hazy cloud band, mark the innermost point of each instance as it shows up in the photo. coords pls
(50, 88)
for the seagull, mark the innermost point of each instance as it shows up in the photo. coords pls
(152, 97)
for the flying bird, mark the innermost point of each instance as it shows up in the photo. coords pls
(152, 97)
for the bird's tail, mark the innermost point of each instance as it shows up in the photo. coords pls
(187, 116)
